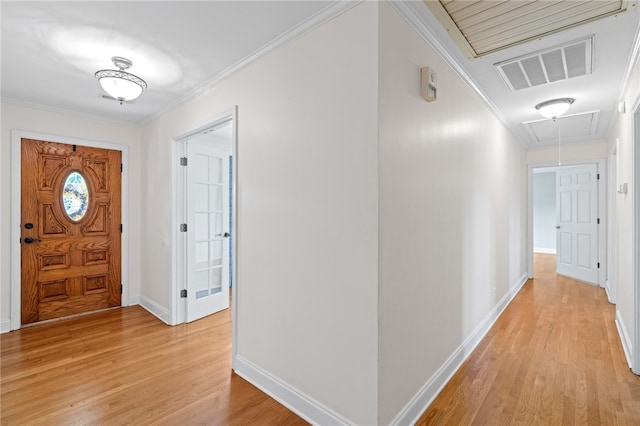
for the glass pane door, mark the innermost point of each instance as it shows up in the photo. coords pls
(207, 208)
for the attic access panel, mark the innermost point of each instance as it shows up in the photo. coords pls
(484, 27)
(571, 127)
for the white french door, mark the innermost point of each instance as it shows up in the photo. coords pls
(577, 222)
(207, 229)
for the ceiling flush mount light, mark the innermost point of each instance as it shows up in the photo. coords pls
(120, 84)
(554, 108)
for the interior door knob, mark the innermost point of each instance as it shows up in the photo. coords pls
(557, 226)
(30, 240)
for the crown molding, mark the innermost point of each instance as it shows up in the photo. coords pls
(324, 15)
(634, 58)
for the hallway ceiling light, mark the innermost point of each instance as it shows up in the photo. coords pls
(120, 84)
(554, 108)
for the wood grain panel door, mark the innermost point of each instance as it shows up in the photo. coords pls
(71, 229)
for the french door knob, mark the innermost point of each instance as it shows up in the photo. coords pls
(225, 235)
(30, 240)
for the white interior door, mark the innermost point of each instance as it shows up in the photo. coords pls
(207, 229)
(577, 225)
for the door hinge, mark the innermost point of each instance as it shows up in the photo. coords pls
(120, 288)
(183, 161)
(75, 147)
(598, 221)
(121, 167)
(121, 228)
(183, 227)
(183, 293)
(598, 176)
(598, 265)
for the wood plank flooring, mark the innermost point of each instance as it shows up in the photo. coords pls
(125, 367)
(552, 358)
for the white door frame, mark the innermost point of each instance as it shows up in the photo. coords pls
(16, 212)
(636, 234)
(611, 284)
(602, 213)
(178, 304)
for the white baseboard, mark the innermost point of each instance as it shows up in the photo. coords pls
(411, 412)
(607, 289)
(301, 404)
(5, 326)
(544, 250)
(155, 309)
(624, 338)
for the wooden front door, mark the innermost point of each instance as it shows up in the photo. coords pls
(71, 241)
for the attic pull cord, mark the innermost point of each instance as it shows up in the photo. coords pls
(559, 149)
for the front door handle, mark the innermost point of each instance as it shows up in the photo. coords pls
(30, 240)
(557, 226)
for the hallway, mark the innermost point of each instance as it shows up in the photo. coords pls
(553, 358)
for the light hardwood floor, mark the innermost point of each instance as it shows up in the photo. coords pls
(552, 358)
(125, 367)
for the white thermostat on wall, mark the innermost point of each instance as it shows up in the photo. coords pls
(428, 87)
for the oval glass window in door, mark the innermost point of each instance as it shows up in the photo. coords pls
(75, 196)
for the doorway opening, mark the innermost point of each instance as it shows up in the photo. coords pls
(566, 213)
(204, 170)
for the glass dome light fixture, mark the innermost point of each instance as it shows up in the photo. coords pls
(120, 84)
(554, 108)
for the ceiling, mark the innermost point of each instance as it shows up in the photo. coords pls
(51, 50)
(499, 44)
(484, 27)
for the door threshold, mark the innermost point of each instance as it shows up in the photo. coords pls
(81, 314)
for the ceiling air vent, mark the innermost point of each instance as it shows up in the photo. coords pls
(558, 63)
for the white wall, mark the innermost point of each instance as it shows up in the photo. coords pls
(623, 130)
(571, 153)
(307, 210)
(17, 117)
(453, 199)
(544, 212)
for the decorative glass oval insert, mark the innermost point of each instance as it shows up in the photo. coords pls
(75, 196)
